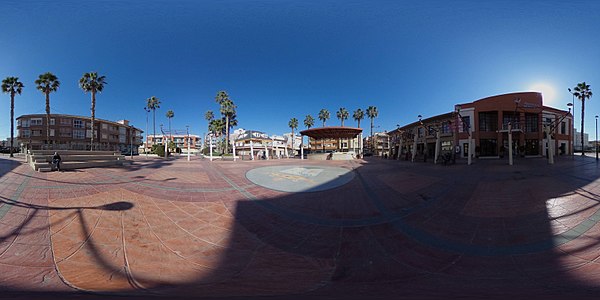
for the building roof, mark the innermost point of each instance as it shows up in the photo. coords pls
(331, 132)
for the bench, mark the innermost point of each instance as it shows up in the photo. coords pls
(41, 160)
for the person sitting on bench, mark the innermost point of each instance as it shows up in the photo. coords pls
(56, 160)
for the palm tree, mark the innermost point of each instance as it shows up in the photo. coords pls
(153, 103)
(358, 115)
(293, 124)
(92, 83)
(309, 121)
(217, 127)
(227, 108)
(170, 114)
(342, 114)
(324, 115)
(582, 92)
(372, 114)
(12, 86)
(47, 83)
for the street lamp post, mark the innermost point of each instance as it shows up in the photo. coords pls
(596, 148)
(573, 125)
(187, 129)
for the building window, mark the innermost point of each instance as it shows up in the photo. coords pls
(104, 126)
(488, 121)
(531, 123)
(52, 122)
(104, 136)
(36, 133)
(532, 147)
(65, 122)
(563, 127)
(420, 132)
(78, 124)
(78, 133)
(24, 123)
(466, 123)
(445, 127)
(64, 132)
(36, 122)
(51, 132)
(25, 133)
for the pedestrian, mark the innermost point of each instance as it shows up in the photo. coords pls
(56, 159)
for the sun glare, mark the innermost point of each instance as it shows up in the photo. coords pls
(548, 92)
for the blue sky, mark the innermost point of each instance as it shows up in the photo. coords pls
(282, 59)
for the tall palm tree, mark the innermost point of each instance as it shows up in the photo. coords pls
(372, 114)
(309, 121)
(47, 83)
(358, 115)
(324, 115)
(293, 124)
(12, 86)
(170, 114)
(228, 111)
(92, 83)
(342, 114)
(582, 92)
(153, 103)
(227, 108)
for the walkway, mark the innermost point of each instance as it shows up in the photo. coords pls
(364, 229)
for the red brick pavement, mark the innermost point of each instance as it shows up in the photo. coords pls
(397, 230)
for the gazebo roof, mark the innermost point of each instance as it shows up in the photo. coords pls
(331, 132)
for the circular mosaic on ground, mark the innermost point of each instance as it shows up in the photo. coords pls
(300, 178)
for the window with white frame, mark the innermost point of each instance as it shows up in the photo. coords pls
(104, 126)
(79, 133)
(35, 122)
(65, 121)
(24, 133)
(51, 132)
(52, 121)
(78, 123)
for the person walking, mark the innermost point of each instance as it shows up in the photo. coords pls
(56, 159)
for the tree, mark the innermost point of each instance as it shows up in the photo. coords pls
(293, 124)
(372, 114)
(153, 103)
(47, 83)
(12, 86)
(217, 127)
(309, 121)
(342, 114)
(227, 108)
(358, 115)
(92, 83)
(582, 92)
(170, 114)
(324, 115)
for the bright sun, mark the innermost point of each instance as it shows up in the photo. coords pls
(548, 92)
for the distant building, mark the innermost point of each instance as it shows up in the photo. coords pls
(180, 141)
(69, 132)
(487, 121)
(586, 141)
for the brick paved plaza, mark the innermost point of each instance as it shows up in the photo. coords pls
(393, 229)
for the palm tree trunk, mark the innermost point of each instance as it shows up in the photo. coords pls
(12, 122)
(582, 112)
(154, 125)
(292, 140)
(93, 118)
(47, 117)
(358, 123)
(372, 142)
(227, 134)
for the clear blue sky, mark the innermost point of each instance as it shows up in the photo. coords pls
(281, 59)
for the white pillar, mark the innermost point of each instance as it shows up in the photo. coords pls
(470, 154)
(234, 158)
(550, 146)
(188, 148)
(287, 155)
(510, 150)
(400, 148)
(266, 152)
(251, 150)
(414, 149)
(437, 146)
(210, 142)
(166, 145)
(302, 147)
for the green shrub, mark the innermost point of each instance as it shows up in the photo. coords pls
(158, 150)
